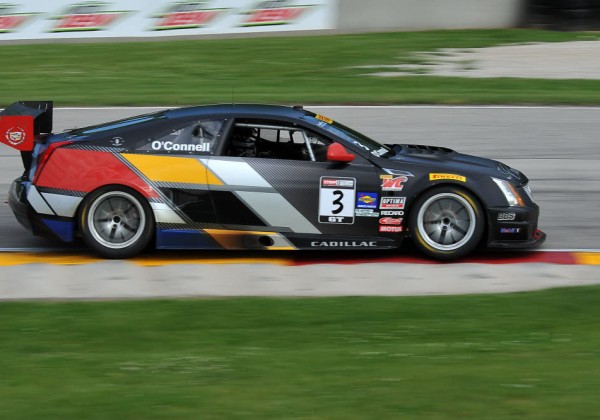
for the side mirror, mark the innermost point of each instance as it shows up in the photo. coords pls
(338, 153)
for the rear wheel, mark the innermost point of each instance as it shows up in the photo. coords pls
(116, 222)
(446, 223)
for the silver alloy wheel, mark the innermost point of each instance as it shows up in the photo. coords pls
(116, 220)
(446, 221)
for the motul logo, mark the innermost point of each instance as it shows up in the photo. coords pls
(390, 228)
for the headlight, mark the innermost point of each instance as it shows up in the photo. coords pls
(510, 192)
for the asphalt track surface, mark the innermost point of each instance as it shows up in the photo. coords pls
(558, 148)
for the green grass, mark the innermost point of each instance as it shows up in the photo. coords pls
(528, 355)
(315, 69)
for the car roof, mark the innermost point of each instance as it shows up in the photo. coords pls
(249, 109)
(201, 111)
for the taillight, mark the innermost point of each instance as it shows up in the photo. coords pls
(46, 155)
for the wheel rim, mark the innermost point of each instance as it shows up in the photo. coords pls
(116, 219)
(446, 221)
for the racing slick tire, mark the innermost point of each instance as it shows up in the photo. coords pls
(116, 222)
(446, 222)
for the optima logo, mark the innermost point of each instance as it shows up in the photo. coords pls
(169, 146)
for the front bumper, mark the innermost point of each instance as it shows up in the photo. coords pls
(514, 227)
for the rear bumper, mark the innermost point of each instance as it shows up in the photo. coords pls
(39, 225)
(17, 200)
(514, 227)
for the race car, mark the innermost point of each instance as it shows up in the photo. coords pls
(257, 177)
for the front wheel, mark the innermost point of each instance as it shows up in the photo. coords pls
(116, 222)
(446, 223)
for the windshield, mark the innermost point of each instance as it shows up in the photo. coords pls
(354, 137)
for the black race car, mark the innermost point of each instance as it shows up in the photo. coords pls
(257, 177)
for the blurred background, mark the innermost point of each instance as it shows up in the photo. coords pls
(514, 80)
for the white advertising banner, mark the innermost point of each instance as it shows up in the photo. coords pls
(53, 19)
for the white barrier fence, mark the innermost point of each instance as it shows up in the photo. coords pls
(61, 19)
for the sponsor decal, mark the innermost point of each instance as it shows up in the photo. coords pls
(169, 146)
(392, 213)
(336, 200)
(390, 221)
(88, 16)
(379, 152)
(353, 244)
(392, 183)
(507, 216)
(337, 182)
(117, 141)
(186, 15)
(392, 229)
(392, 203)
(275, 12)
(324, 119)
(510, 230)
(15, 136)
(451, 177)
(366, 213)
(366, 200)
(9, 20)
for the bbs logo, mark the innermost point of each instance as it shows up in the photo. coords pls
(507, 216)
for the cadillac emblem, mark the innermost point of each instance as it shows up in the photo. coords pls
(15, 136)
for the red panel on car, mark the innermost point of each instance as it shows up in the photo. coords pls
(17, 132)
(84, 170)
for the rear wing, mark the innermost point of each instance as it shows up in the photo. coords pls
(22, 121)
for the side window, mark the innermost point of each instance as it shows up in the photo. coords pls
(189, 138)
(264, 139)
(318, 145)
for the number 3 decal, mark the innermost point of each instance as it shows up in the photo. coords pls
(338, 202)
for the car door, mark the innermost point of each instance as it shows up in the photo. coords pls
(277, 189)
(169, 157)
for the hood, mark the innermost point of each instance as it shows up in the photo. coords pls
(451, 160)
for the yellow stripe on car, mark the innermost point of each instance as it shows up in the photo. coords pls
(173, 169)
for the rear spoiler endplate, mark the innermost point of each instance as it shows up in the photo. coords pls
(22, 121)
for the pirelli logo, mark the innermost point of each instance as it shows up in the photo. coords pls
(451, 177)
